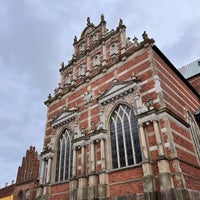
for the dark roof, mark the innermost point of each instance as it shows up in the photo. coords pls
(191, 69)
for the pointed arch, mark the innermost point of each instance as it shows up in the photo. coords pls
(195, 132)
(124, 138)
(64, 156)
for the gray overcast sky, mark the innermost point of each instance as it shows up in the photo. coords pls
(37, 35)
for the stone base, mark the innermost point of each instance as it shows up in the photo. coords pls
(172, 194)
(92, 192)
(82, 194)
(44, 197)
(73, 195)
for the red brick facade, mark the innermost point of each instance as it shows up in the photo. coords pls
(27, 179)
(195, 82)
(109, 72)
(27, 176)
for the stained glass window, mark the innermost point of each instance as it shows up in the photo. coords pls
(125, 147)
(64, 157)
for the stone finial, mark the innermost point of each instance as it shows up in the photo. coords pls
(88, 21)
(62, 65)
(102, 18)
(49, 97)
(135, 40)
(120, 22)
(75, 39)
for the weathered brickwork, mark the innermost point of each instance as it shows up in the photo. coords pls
(194, 81)
(88, 154)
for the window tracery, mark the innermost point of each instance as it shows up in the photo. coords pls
(64, 157)
(195, 132)
(124, 138)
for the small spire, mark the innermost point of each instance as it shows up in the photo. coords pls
(120, 22)
(62, 65)
(88, 21)
(135, 40)
(75, 39)
(102, 18)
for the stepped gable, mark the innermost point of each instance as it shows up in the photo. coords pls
(95, 52)
(29, 168)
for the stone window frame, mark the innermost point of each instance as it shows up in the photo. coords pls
(81, 70)
(64, 156)
(116, 160)
(96, 60)
(195, 132)
(82, 47)
(68, 79)
(95, 37)
(113, 49)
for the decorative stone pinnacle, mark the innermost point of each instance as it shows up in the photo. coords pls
(120, 22)
(62, 65)
(49, 97)
(135, 40)
(102, 18)
(75, 39)
(88, 21)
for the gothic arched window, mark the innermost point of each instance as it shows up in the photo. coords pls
(195, 132)
(124, 138)
(64, 157)
(21, 195)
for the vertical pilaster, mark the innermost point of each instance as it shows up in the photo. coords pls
(83, 160)
(48, 170)
(92, 157)
(88, 64)
(145, 155)
(103, 176)
(82, 180)
(74, 75)
(42, 171)
(93, 178)
(149, 185)
(73, 182)
(103, 163)
(104, 54)
(74, 163)
(166, 182)
(158, 138)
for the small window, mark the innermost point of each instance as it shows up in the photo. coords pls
(95, 37)
(113, 49)
(68, 79)
(81, 48)
(21, 195)
(96, 60)
(81, 70)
